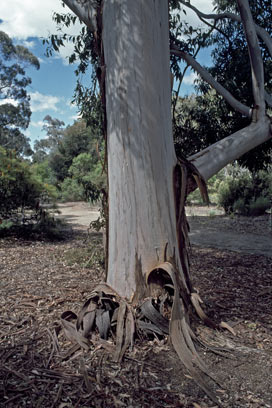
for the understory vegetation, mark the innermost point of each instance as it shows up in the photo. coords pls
(238, 191)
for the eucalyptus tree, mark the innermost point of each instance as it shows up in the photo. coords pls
(134, 55)
(14, 101)
(147, 184)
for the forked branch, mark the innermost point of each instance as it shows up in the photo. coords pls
(262, 33)
(240, 107)
(85, 11)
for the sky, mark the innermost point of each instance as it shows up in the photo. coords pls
(27, 22)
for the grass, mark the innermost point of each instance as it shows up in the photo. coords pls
(90, 256)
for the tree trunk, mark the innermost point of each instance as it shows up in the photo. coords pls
(141, 156)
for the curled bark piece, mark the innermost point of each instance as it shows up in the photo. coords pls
(71, 332)
(154, 316)
(180, 335)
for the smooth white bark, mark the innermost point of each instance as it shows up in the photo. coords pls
(212, 159)
(141, 154)
(85, 11)
(255, 56)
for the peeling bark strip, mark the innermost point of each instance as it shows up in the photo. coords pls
(183, 174)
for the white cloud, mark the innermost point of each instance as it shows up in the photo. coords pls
(33, 18)
(8, 100)
(189, 79)
(41, 102)
(76, 117)
(29, 44)
(27, 133)
(70, 104)
(206, 6)
(38, 124)
(191, 18)
(29, 18)
(41, 60)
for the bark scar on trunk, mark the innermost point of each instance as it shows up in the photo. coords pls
(141, 287)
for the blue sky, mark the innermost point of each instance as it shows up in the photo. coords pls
(51, 91)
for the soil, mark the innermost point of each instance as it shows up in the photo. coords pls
(40, 280)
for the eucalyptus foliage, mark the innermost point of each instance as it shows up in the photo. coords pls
(15, 102)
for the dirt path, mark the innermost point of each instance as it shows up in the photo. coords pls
(40, 367)
(209, 228)
(248, 235)
(78, 213)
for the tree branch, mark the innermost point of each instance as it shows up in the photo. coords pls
(240, 107)
(255, 55)
(180, 82)
(261, 32)
(212, 159)
(85, 11)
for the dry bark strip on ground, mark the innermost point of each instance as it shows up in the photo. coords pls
(39, 280)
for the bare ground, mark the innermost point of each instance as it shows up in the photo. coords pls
(40, 280)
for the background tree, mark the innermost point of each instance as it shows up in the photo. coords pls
(88, 173)
(211, 116)
(15, 103)
(64, 145)
(54, 132)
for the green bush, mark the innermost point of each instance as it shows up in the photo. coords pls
(89, 175)
(71, 190)
(240, 207)
(20, 190)
(246, 194)
(48, 227)
(44, 173)
(259, 206)
(44, 227)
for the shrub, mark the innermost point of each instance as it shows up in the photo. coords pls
(245, 193)
(19, 188)
(48, 227)
(71, 190)
(89, 175)
(45, 227)
(240, 207)
(259, 206)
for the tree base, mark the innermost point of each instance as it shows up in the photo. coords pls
(163, 315)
